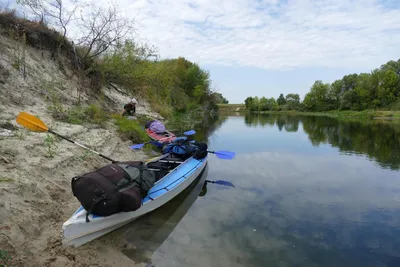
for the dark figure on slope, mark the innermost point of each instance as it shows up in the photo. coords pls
(130, 108)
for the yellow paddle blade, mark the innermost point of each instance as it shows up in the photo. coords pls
(31, 122)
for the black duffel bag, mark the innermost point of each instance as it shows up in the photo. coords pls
(116, 187)
(201, 151)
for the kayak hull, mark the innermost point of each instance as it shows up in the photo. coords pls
(167, 136)
(76, 231)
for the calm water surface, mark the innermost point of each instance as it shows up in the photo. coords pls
(310, 191)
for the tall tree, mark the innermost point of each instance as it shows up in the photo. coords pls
(281, 100)
(316, 99)
(264, 103)
(220, 99)
(293, 101)
(248, 102)
(388, 89)
(335, 93)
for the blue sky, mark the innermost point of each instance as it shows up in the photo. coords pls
(268, 47)
(237, 83)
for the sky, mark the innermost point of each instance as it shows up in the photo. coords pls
(268, 47)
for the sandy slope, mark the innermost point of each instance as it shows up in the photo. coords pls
(35, 189)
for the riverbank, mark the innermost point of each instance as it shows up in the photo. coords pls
(365, 114)
(231, 108)
(36, 168)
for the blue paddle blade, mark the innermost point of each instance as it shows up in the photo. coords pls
(221, 182)
(224, 154)
(137, 146)
(156, 143)
(191, 132)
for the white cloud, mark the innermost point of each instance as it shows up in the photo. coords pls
(271, 34)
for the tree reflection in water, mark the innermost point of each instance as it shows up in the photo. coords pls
(379, 140)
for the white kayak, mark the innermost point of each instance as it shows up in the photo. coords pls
(76, 231)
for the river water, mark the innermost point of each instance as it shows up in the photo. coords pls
(309, 191)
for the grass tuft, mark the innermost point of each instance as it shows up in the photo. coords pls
(130, 129)
(6, 180)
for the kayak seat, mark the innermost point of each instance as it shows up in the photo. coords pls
(166, 134)
(158, 165)
(173, 159)
(159, 173)
(160, 169)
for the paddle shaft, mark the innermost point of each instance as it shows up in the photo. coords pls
(76, 143)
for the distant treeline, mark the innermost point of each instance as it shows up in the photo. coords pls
(377, 89)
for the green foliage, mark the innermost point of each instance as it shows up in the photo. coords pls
(170, 85)
(143, 119)
(5, 258)
(95, 114)
(379, 89)
(53, 97)
(185, 121)
(389, 88)
(19, 52)
(5, 180)
(281, 100)
(293, 101)
(82, 114)
(261, 104)
(396, 105)
(161, 108)
(219, 99)
(130, 129)
(50, 145)
(317, 98)
(248, 102)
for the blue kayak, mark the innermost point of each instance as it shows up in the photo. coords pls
(173, 176)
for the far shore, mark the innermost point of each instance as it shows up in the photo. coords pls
(365, 114)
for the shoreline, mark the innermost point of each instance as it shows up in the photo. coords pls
(37, 168)
(364, 115)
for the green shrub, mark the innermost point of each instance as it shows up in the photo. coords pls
(5, 180)
(163, 109)
(143, 119)
(4, 258)
(130, 129)
(80, 115)
(96, 114)
(75, 115)
(396, 105)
